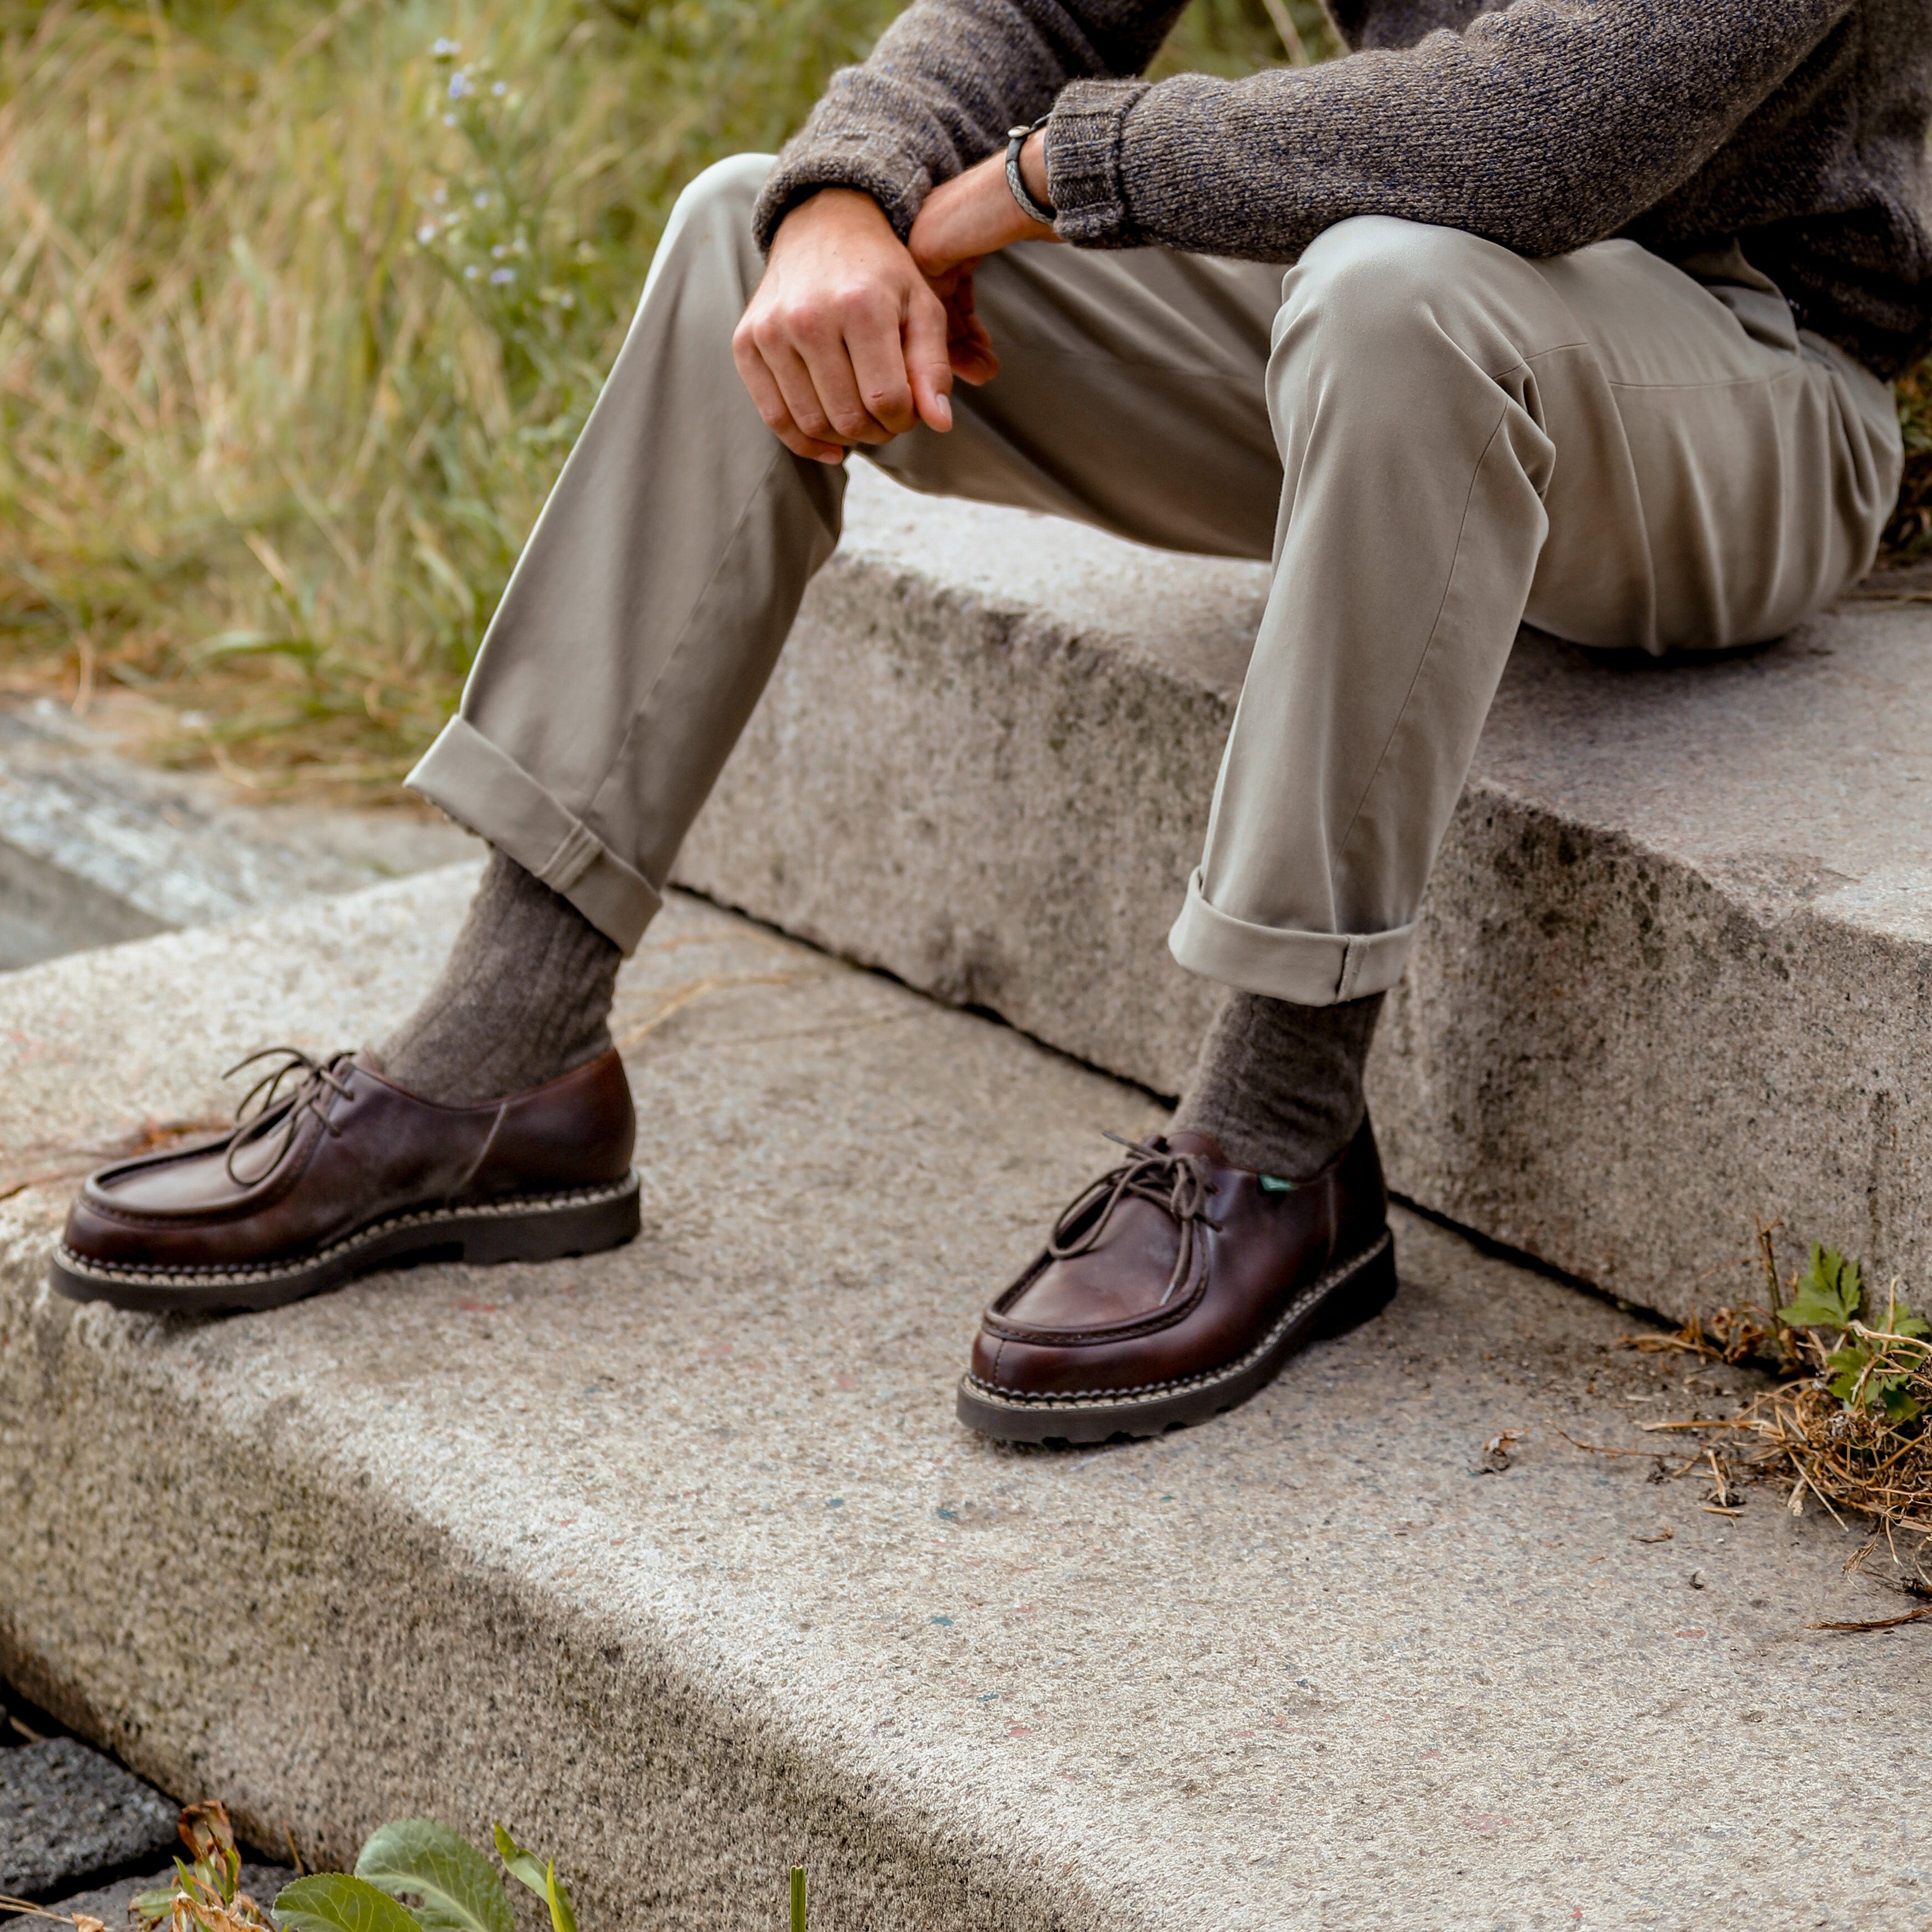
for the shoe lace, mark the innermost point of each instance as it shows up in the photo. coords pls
(1175, 1183)
(296, 1085)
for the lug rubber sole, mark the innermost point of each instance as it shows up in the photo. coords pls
(531, 1228)
(1344, 1298)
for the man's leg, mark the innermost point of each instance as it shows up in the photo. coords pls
(1597, 442)
(1628, 456)
(636, 633)
(1600, 442)
(651, 602)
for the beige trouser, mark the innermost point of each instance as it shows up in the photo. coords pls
(1434, 439)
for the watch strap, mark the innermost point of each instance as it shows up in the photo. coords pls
(1016, 140)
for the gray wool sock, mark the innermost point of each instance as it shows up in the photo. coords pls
(1279, 1086)
(525, 995)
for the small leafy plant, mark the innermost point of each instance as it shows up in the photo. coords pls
(415, 1875)
(1849, 1422)
(1875, 1364)
(206, 1894)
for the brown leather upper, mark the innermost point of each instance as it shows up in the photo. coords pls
(1163, 1294)
(349, 1149)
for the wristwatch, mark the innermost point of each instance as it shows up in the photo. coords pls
(1016, 140)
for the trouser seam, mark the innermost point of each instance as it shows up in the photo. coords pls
(1791, 374)
(1536, 356)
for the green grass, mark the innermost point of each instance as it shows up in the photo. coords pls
(299, 316)
(292, 342)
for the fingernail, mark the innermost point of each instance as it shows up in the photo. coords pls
(942, 411)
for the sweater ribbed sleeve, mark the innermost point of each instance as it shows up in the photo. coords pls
(1544, 126)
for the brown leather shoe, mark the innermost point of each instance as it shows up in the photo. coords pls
(337, 1172)
(1175, 1287)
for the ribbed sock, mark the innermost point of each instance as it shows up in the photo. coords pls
(524, 996)
(1279, 1086)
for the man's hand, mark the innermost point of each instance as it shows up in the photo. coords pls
(844, 342)
(853, 337)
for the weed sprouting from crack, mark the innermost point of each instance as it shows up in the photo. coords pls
(1846, 1423)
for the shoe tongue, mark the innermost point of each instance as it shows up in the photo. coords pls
(1188, 1141)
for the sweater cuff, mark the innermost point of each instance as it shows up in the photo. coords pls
(1083, 162)
(897, 181)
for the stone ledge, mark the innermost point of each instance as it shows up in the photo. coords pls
(1674, 971)
(96, 849)
(675, 1560)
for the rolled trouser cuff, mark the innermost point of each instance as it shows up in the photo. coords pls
(483, 787)
(1311, 969)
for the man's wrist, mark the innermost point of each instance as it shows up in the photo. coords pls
(831, 198)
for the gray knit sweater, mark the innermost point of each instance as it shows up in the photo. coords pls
(1797, 127)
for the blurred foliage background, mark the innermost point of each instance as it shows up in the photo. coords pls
(301, 306)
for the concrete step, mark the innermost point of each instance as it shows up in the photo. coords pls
(1678, 951)
(96, 848)
(675, 1560)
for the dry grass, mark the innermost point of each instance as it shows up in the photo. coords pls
(204, 1894)
(298, 318)
(1850, 1421)
(201, 1896)
(293, 342)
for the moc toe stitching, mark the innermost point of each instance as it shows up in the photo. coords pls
(1129, 1329)
(273, 1188)
(1309, 1298)
(1270, 1270)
